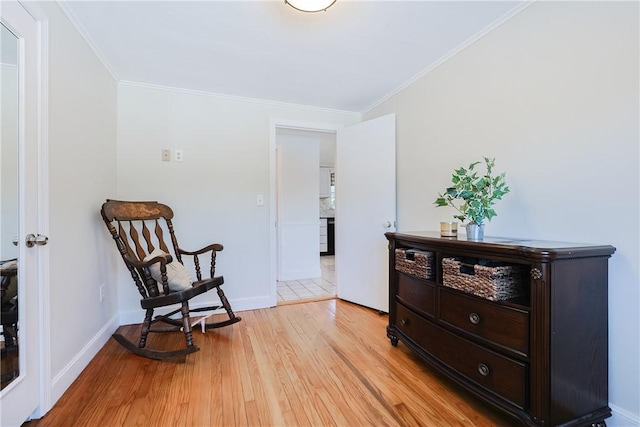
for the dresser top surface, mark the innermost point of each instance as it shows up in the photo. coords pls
(535, 248)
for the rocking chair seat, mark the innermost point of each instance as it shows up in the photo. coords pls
(198, 288)
(138, 228)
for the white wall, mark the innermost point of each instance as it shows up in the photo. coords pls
(553, 95)
(82, 162)
(213, 191)
(298, 204)
(328, 150)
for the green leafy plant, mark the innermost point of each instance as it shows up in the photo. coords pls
(475, 194)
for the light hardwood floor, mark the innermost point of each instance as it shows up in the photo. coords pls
(321, 363)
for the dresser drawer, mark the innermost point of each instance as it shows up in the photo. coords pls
(416, 293)
(502, 325)
(496, 373)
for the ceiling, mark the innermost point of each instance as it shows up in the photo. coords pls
(348, 58)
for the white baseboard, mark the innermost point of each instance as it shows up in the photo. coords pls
(245, 304)
(137, 316)
(622, 418)
(62, 381)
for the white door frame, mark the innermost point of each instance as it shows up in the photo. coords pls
(46, 380)
(274, 124)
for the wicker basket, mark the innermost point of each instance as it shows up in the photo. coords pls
(415, 262)
(493, 281)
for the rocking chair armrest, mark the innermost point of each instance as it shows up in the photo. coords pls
(213, 247)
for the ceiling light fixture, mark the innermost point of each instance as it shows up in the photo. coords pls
(310, 5)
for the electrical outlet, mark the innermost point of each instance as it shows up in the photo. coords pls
(178, 155)
(259, 200)
(101, 293)
(166, 155)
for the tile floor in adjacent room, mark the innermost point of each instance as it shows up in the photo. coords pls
(312, 288)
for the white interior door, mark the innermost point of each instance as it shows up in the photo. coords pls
(365, 210)
(20, 35)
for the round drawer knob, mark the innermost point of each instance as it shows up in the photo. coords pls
(404, 322)
(483, 369)
(474, 318)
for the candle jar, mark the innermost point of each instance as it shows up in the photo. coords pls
(449, 229)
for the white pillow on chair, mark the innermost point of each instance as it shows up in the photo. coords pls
(178, 277)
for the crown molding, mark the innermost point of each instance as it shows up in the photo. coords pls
(470, 41)
(237, 98)
(85, 35)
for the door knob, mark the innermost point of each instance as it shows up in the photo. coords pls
(387, 224)
(39, 240)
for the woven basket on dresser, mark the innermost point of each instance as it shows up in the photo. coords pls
(495, 283)
(415, 262)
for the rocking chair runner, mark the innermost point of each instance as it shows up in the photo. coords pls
(131, 225)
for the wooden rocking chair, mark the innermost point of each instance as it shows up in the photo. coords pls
(131, 225)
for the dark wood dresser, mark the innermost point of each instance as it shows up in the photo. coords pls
(541, 355)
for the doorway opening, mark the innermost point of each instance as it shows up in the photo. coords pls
(304, 213)
(366, 208)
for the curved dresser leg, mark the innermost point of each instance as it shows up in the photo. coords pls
(393, 338)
